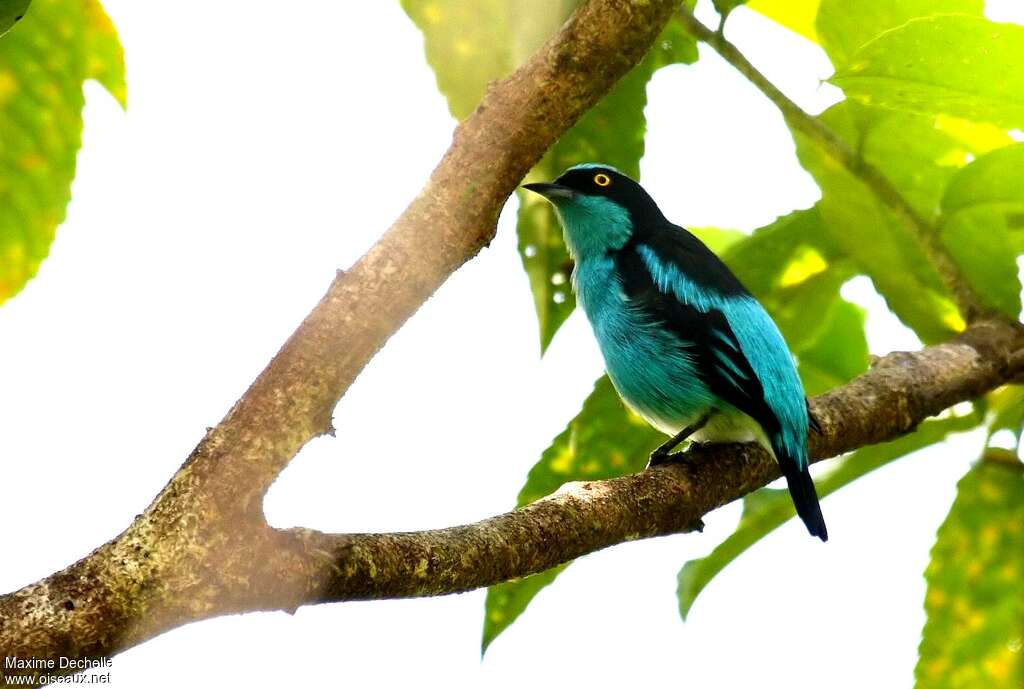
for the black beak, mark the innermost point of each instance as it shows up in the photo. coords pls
(551, 191)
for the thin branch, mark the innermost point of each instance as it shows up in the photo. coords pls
(927, 233)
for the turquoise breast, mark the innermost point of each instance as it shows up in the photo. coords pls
(649, 366)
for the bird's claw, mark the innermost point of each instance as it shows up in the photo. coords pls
(660, 458)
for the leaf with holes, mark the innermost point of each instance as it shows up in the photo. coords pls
(43, 62)
(974, 633)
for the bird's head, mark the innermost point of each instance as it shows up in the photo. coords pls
(599, 208)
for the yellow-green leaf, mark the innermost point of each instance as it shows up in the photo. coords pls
(508, 600)
(12, 12)
(43, 62)
(953, 64)
(977, 137)
(845, 26)
(1007, 405)
(840, 352)
(796, 15)
(470, 43)
(764, 261)
(993, 180)
(974, 636)
(919, 160)
(978, 208)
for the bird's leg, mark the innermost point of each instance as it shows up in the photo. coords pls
(661, 455)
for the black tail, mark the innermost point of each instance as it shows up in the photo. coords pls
(801, 489)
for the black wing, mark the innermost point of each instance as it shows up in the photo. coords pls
(709, 338)
(674, 245)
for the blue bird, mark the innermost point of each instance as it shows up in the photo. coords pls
(685, 344)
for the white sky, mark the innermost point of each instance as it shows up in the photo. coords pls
(266, 145)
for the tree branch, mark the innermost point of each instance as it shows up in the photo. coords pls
(926, 233)
(900, 391)
(189, 555)
(119, 601)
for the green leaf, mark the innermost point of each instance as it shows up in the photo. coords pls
(919, 160)
(1007, 404)
(975, 602)
(796, 15)
(801, 310)
(470, 43)
(982, 246)
(954, 64)
(767, 509)
(612, 133)
(845, 26)
(43, 62)
(508, 600)
(604, 440)
(840, 352)
(718, 239)
(978, 205)
(11, 12)
(765, 260)
(793, 268)
(993, 180)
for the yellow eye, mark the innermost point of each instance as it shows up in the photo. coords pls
(602, 180)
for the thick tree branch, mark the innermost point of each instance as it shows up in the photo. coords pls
(190, 554)
(138, 585)
(927, 233)
(901, 391)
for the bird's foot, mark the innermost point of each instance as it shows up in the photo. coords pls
(659, 458)
(698, 526)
